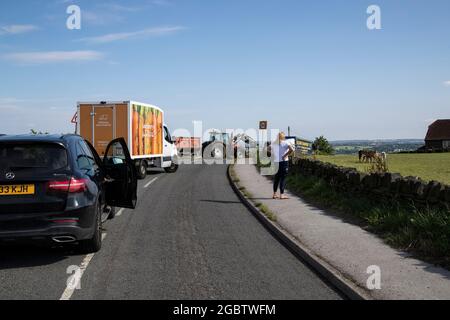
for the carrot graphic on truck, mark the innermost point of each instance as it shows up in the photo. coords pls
(141, 131)
(147, 132)
(154, 133)
(135, 129)
(140, 124)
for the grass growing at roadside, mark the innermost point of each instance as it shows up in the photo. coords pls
(264, 209)
(244, 191)
(425, 231)
(269, 214)
(247, 194)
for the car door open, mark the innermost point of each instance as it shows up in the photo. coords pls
(121, 176)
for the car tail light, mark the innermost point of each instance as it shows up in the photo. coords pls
(72, 186)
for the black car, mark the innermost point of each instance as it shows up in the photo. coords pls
(57, 188)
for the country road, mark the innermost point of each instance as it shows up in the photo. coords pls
(189, 238)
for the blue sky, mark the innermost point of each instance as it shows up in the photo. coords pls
(312, 65)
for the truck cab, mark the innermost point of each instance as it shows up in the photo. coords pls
(170, 152)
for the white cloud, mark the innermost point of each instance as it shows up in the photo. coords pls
(161, 2)
(53, 56)
(107, 13)
(127, 8)
(101, 18)
(19, 115)
(17, 29)
(121, 8)
(150, 32)
(19, 120)
(8, 100)
(8, 107)
(447, 83)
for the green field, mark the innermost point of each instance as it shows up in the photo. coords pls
(430, 166)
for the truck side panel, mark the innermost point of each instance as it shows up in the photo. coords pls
(146, 131)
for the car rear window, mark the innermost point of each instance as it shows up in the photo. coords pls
(33, 156)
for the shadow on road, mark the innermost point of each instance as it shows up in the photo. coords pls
(154, 171)
(13, 256)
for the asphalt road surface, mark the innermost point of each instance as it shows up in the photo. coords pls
(189, 238)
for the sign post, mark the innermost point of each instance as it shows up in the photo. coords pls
(263, 149)
(263, 126)
(75, 121)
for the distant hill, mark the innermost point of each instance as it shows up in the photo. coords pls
(382, 145)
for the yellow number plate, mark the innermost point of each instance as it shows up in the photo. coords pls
(14, 190)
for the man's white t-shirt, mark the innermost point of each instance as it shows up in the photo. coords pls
(278, 150)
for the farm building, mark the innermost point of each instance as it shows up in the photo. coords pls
(438, 136)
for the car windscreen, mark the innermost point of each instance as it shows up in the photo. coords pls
(33, 156)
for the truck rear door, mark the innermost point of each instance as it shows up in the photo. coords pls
(103, 127)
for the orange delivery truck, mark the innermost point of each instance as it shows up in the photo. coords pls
(140, 124)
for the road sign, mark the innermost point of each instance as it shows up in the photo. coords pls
(263, 125)
(75, 118)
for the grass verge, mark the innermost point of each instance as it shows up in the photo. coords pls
(264, 209)
(423, 232)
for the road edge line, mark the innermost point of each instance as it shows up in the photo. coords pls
(330, 273)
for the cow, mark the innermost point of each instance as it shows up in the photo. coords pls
(367, 155)
(371, 156)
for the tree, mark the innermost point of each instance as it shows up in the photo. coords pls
(322, 146)
(35, 132)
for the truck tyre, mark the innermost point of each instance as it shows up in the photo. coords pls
(218, 151)
(141, 169)
(172, 169)
(95, 243)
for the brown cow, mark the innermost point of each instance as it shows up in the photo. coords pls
(368, 155)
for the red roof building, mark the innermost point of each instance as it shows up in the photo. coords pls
(438, 136)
